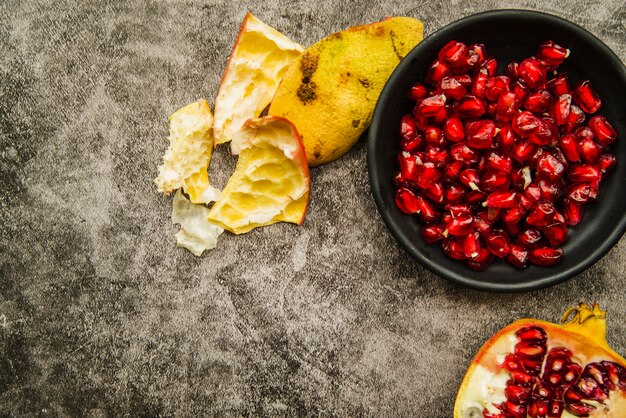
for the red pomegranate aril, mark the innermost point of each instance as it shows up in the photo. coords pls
(464, 154)
(584, 173)
(451, 171)
(549, 167)
(436, 155)
(524, 150)
(409, 165)
(439, 117)
(453, 249)
(432, 105)
(545, 256)
(551, 55)
(475, 197)
(602, 129)
(506, 139)
(606, 162)
(451, 87)
(408, 131)
(550, 190)
(453, 53)
(436, 72)
(460, 225)
(434, 136)
(562, 108)
(511, 70)
(589, 150)
(464, 79)
(426, 211)
(529, 238)
(470, 107)
(594, 189)
(400, 181)
(573, 212)
(525, 123)
(453, 129)
(518, 256)
(538, 102)
(435, 192)
(412, 145)
(542, 214)
(580, 409)
(545, 134)
(427, 175)
(433, 233)
(479, 84)
(555, 233)
(406, 200)
(469, 178)
(520, 90)
(471, 244)
(559, 84)
(517, 394)
(492, 181)
(570, 147)
(417, 91)
(480, 133)
(501, 200)
(481, 261)
(496, 86)
(578, 192)
(586, 97)
(512, 229)
(532, 72)
(454, 193)
(507, 106)
(514, 215)
(482, 223)
(456, 210)
(575, 119)
(498, 243)
(491, 65)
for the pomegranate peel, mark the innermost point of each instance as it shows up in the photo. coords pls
(534, 368)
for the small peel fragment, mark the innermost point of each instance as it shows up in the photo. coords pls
(196, 234)
(260, 57)
(187, 158)
(271, 181)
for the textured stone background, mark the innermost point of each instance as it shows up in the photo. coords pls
(100, 313)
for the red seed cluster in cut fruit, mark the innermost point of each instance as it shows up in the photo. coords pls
(500, 165)
(544, 383)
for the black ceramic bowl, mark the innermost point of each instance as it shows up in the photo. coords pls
(508, 35)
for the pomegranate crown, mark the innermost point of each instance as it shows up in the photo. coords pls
(588, 320)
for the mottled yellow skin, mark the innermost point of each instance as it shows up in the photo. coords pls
(331, 90)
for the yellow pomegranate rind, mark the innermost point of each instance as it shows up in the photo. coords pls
(187, 158)
(259, 58)
(584, 335)
(196, 233)
(271, 180)
(330, 91)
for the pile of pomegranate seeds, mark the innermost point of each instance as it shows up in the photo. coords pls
(500, 165)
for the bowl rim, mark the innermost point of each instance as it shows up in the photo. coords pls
(395, 227)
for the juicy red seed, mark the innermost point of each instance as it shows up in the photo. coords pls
(453, 53)
(606, 162)
(461, 225)
(434, 136)
(517, 394)
(492, 181)
(495, 86)
(589, 150)
(436, 72)
(586, 97)
(580, 409)
(480, 133)
(538, 101)
(514, 410)
(453, 249)
(551, 54)
(480, 50)
(454, 193)
(408, 131)
(464, 79)
(550, 190)
(575, 119)
(406, 200)
(578, 192)
(426, 211)
(602, 129)
(491, 65)
(546, 256)
(430, 106)
(471, 244)
(451, 87)
(464, 154)
(524, 123)
(433, 233)
(470, 107)
(506, 139)
(556, 233)
(481, 261)
(453, 129)
(451, 171)
(498, 243)
(469, 177)
(475, 196)
(520, 90)
(417, 91)
(584, 173)
(511, 70)
(524, 150)
(533, 73)
(518, 256)
(562, 109)
(501, 200)
(559, 84)
(545, 133)
(435, 192)
(570, 147)
(542, 214)
(479, 84)
(529, 238)
(507, 106)
(436, 155)
(412, 145)
(549, 167)
(409, 165)
(499, 162)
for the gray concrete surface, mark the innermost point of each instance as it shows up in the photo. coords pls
(100, 313)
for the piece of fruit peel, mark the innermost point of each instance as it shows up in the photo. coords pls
(260, 57)
(196, 233)
(271, 181)
(187, 158)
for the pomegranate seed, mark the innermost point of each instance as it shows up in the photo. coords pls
(427, 175)
(498, 243)
(453, 129)
(524, 150)
(408, 131)
(559, 84)
(470, 107)
(533, 73)
(469, 177)
(514, 410)
(480, 133)
(594, 189)
(578, 192)
(471, 244)
(550, 190)
(575, 119)
(463, 153)
(453, 249)
(589, 150)
(479, 84)
(584, 173)
(606, 162)
(436, 155)
(454, 193)
(460, 225)
(409, 165)
(480, 51)
(475, 196)
(432, 105)
(492, 181)
(451, 88)
(406, 200)
(400, 181)
(586, 97)
(436, 72)
(435, 192)
(417, 91)
(602, 129)
(412, 145)
(501, 200)
(562, 108)
(569, 147)
(545, 256)
(580, 409)
(456, 210)
(453, 53)
(433, 233)
(518, 256)
(529, 238)
(507, 106)
(517, 394)
(520, 90)
(482, 223)
(525, 123)
(481, 261)
(542, 214)
(511, 70)
(425, 210)
(551, 55)
(538, 101)
(549, 167)
(545, 133)
(491, 65)
(556, 233)
(464, 79)
(507, 139)
(496, 86)
(452, 170)
(573, 212)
